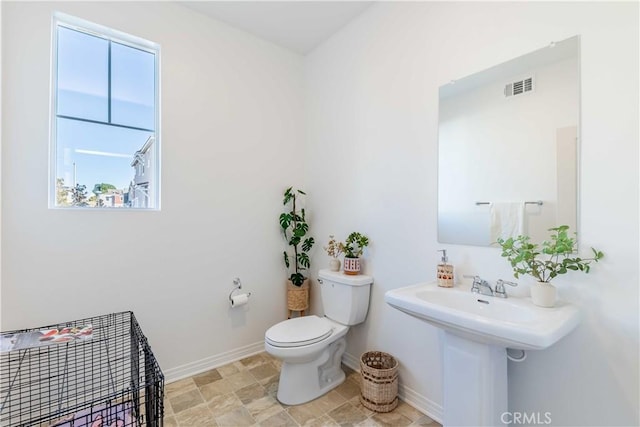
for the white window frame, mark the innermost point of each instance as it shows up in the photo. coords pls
(78, 24)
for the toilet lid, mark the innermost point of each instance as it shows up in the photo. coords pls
(298, 331)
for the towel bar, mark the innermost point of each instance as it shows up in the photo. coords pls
(537, 202)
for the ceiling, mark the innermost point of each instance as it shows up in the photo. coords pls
(296, 25)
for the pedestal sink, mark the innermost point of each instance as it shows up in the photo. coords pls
(477, 331)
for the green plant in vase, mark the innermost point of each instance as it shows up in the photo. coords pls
(295, 228)
(545, 262)
(353, 248)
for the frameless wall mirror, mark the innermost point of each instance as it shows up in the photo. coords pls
(507, 148)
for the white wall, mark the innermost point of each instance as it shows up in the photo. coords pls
(371, 125)
(231, 128)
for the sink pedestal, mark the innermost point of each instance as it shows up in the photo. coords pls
(476, 332)
(475, 382)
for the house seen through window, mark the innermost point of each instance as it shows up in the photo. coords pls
(105, 139)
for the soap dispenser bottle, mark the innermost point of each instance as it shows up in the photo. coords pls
(445, 271)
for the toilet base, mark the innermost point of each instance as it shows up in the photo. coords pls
(303, 382)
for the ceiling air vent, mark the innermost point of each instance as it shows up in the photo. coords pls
(519, 87)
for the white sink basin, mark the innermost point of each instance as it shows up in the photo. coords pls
(512, 322)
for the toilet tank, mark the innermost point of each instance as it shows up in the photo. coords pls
(345, 298)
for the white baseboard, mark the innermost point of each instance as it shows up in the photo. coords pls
(351, 361)
(420, 402)
(407, 394)
(203, 365)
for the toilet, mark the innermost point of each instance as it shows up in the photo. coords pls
(311, 347)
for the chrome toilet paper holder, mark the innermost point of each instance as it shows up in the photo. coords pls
(237, 285)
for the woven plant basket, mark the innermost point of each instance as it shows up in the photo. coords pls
(298, 296)
(379, 385)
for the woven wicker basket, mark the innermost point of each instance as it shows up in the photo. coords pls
(379, 385)
(298, 296)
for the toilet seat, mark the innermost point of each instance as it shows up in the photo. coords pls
(299, 331)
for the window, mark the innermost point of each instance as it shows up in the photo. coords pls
(105, 125)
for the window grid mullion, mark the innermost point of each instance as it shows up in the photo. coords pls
(98, 122)
(109, 85)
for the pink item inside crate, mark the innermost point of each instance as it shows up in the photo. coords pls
(117, 415)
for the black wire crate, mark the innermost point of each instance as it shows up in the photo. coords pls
(93, 372)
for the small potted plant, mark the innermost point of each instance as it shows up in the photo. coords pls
(554, 257)
(334, 249)
(294, 228)
(353, 248)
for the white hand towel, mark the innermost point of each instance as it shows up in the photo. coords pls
(507, 219)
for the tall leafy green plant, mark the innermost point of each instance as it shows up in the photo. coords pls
(294, 228)
(556, 256)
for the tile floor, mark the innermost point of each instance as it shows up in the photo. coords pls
(243, 393)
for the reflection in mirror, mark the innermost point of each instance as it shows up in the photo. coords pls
(507, 148)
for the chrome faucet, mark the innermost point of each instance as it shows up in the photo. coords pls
(500, 290)
(481, 286)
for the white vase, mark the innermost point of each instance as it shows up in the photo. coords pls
(543, 294)
(334, 264)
